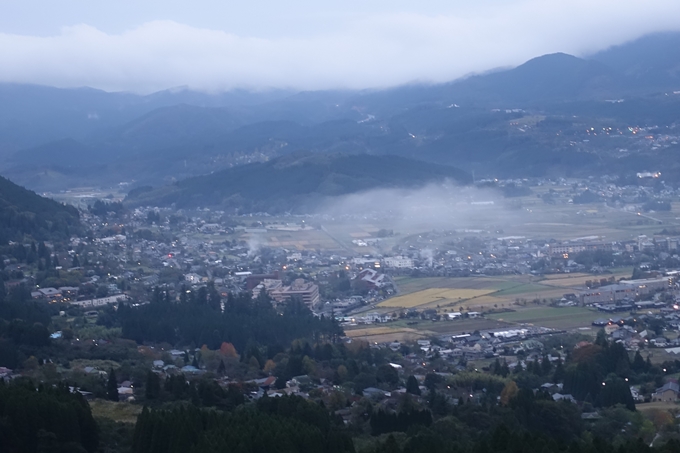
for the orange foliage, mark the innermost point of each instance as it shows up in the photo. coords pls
(228, 350)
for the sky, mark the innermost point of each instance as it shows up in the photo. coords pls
(213, 45)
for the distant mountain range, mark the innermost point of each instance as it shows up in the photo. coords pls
(298, 182)
(56, 138)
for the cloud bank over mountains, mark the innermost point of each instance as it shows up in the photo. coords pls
(374, 50)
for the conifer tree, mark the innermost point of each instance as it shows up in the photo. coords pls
(412, 385)
(153, 386)
(112, 386)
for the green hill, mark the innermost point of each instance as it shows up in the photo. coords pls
(25, 213)
(296, 182)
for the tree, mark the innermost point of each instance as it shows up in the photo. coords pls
(153, 386)
(509, 392)
(638, 364)
(228, 350)
(412, 385)
(112, 386)
(387, 374)
(431, 380)
(221, 369)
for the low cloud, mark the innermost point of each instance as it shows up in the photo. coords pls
(442, 207)
(371, 51)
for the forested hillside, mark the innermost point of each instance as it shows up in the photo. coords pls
(296, 182)
(23, 212)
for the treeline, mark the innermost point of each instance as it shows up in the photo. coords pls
(528, 422)
(198, 319)
(503, 440)
(44, 419)
(23, 325)
(596, 374)
(286, 424)
(24, 213)
(201, 392)
(386, 422)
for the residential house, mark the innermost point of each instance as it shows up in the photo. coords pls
(668, 393)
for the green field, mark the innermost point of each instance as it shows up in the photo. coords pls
(410, 284)
(559, 318)
(524, 289)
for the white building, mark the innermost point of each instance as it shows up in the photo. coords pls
(101, 301)
(193, 278)
(399, 262)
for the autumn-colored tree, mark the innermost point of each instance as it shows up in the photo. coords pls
(228, 350)
(509, 392)
(269, 366)
(661, 419)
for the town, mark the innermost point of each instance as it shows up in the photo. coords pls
(444, 316)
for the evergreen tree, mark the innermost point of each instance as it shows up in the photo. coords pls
(112, 386)
(638, 364)
(558, 375)
(497, 367)
(412, 385)
(546, 366)
(214, 299)
(153, 386)
(202, 296)
(601, 339)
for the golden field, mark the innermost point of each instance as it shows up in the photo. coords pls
(433, 296)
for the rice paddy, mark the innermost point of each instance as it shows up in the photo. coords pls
(434, 296)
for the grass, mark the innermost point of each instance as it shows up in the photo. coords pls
(120, 412)
(657, 405)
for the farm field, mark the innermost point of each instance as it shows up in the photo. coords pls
(399, 330)
(434, 296)
(385, 333)
(558, 318)
(656, 406)
(478, 293)
(411, 284)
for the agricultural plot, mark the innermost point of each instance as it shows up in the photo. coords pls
(434, 296)
(526, 289)
(559, 318)
(462, 325)
(301, 240)
(383, 333)
(566, 282)
(411, 284)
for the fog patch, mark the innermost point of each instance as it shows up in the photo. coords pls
(443, 206)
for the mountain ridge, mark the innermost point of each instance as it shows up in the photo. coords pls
(154, 140)
(295, 182)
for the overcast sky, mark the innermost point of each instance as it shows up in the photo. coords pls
(213, 45)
